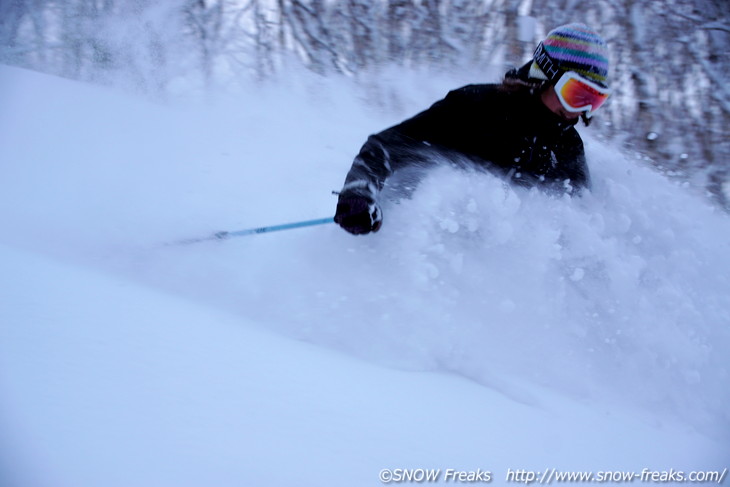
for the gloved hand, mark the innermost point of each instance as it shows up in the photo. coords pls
(358, 214)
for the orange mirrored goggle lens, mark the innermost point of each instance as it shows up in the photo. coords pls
(578, 95)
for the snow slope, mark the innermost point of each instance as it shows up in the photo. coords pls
(482, 328)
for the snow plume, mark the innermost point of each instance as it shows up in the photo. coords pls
(618, 296)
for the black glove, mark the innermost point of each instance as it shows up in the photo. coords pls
(358, 214)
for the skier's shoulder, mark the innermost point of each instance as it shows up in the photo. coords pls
(485, 98)
(475, 92)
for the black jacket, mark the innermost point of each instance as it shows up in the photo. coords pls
(508, 132)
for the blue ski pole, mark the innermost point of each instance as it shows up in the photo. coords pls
(252, 231)
(274, 228)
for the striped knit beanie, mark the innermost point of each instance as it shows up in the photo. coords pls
(572, 47)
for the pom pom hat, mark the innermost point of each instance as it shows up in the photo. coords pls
(572, 47)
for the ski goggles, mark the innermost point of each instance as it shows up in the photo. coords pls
(577, 94)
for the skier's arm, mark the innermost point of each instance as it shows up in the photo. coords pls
(358, 210)
(382, 155)
(403, 145)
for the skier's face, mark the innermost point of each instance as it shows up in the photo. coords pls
(550, 100)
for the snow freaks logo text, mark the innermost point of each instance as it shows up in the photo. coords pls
(548, 476)
(422, 475)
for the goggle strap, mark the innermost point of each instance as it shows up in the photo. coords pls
(546, 64)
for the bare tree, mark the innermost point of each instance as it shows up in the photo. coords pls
(13, 15)
(428, 44)
(311, 35)
(363, 22)
(205, 20)
(398, 28)
(465, 24)
(264, 41)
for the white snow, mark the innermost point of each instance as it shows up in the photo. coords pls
(483, 327)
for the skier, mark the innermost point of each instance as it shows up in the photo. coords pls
(522, 129)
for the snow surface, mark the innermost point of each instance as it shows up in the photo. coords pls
(484, 327)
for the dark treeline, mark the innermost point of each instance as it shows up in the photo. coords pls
(670, 58)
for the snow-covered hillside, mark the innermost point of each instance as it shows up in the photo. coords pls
(484, 327)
